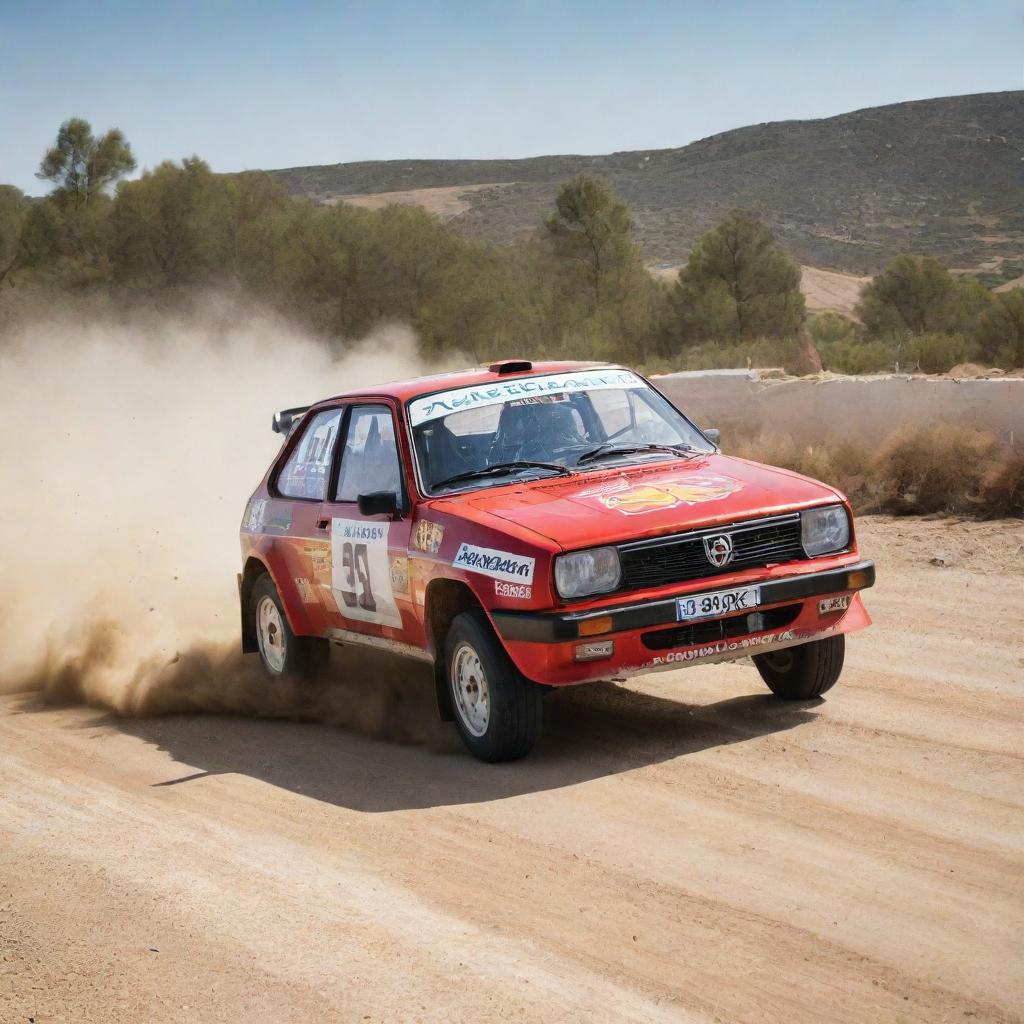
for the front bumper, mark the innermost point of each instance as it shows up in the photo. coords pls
(561, 627)
(647, 635)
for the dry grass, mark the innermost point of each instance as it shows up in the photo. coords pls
(445, 202)
(947, 468)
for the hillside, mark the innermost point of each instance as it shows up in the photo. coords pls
(942, 176)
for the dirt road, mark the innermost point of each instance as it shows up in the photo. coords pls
(685, 849)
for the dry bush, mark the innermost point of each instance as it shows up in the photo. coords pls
(845, 465)
(920, 469)
(938, 468)
(1002, 491)
(717, 355)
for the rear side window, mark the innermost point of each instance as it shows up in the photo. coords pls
(369, 462)
(309, 465)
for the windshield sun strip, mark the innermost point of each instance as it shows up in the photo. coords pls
(428, 491)
(628, 379)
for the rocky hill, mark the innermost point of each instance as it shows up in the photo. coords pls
(942, 176)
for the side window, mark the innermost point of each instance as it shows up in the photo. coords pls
(369, 462)
(309, 465)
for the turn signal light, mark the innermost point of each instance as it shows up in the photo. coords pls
(857, 580)
(594, 627)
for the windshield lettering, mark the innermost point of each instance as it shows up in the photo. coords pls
(434, 406)
(559, 423)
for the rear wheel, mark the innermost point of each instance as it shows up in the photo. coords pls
(496, 709)
(284, 655)
(805, 671)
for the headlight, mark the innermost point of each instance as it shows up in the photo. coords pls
(587, 572)
(824, 529)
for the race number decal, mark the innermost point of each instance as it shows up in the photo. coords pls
(361, 572)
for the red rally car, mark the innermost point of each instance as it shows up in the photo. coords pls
(528, 526)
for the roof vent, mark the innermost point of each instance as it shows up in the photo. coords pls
(511, 366)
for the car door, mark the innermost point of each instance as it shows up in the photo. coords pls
(369, 567)
(292, 516)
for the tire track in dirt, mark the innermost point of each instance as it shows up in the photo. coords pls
(680, 849)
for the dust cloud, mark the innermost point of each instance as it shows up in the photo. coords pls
(130, 449)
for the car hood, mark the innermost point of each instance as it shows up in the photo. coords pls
(644, 501)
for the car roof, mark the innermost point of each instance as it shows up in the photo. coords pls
(403, 390)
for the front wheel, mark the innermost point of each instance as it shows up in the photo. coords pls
(497, 710)
(805, 671)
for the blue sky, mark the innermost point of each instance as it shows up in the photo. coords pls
(264, 84)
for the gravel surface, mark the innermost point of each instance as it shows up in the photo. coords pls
(681, 849)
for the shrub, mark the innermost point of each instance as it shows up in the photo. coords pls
(849, 355)
(1000, 332)
(828, 328)
(764, 352)
(927, 468)
(939, 353)
(938, 468)
(1002, 491)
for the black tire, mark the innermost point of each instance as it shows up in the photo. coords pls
(512, 723)
(283, 654)
(805, 671)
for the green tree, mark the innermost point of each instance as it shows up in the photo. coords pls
(918, 295)
(738, 283)
(474, 307)
(1000, 330)
(906, 296)
(12, 223)
(960, 313)
(171, 226)
(83, 166)
(592, 232)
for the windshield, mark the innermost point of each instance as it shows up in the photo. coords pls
(532, 427)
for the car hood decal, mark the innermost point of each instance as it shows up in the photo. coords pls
(640, 501)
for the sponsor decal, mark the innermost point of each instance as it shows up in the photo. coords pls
(690, 490)
(277, 517)
(500, 564)
(432, 407)
(305, 589)
(319, 556)
(254, 514)
(266, 516)
(427, 536)
(517, 591)
(727, 647)
(542, 400)
(745, 647)
(361, 572)
(833, 604)
(400, 574)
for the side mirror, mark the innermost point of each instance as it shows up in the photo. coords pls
(713, 434)
(378, 503)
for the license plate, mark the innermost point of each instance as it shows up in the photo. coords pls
(721, 602)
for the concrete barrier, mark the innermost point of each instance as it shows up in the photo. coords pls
(833, 407)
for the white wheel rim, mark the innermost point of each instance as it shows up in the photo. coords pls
(472, 696)
(270, 634)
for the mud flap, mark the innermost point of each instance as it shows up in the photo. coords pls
(249, 644)
(442, 692)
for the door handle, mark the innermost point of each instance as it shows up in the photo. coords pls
(322, 524)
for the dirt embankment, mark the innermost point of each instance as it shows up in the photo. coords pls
(684, 849)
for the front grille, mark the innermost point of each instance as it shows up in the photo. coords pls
(720, 629)
(761, 542)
